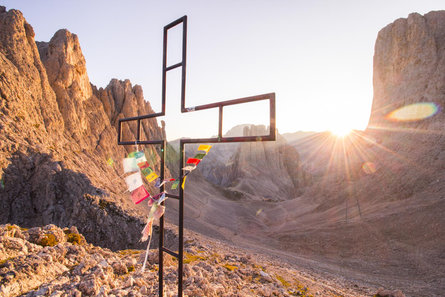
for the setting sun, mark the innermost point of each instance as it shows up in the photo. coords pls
(340, 131)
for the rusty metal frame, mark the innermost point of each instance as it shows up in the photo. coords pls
(219, 139)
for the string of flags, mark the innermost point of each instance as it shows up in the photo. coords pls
(136, 164)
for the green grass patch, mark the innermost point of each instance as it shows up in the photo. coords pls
(75, 238)
(48, 240)
(129, 252)
(189, 258)
(285, 283)
(230, 267)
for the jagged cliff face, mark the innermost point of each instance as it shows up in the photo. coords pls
(24, 77)
(409, 68)
(121, 100)
(57, 133)
(409, 60)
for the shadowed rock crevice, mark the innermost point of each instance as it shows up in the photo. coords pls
(40, 191)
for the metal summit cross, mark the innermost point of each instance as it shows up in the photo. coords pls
(162, 142)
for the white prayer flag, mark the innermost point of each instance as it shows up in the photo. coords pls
(134, 181)
(130, 165)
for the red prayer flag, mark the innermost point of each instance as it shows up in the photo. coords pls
(193, 161)
(139, 195)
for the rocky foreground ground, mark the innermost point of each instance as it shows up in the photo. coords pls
(50, 261)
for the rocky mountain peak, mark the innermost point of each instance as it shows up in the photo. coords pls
(65, 62)
(408, 62)
(21, 66)
(57, 135)
(66, 69)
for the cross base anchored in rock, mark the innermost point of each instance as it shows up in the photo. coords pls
(163, 143)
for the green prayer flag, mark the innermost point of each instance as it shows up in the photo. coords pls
(199, 156)
(136, 154)
(175, 185)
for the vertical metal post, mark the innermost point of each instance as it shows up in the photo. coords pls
(184, 60)
(220, 122)
(138, 132)
(164, 71)
(161, 227)
(181, 217)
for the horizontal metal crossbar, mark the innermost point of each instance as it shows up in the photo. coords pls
(166, 250)
(269, 96)
(173, 66)
(140, 142)
(172, 196)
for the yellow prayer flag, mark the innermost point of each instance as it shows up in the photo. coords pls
(152, 176)
(183, 182)
(204, 147)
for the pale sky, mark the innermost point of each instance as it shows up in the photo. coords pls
(315, 55)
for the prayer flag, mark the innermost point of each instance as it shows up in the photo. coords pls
(193, 161)
(163, 182)
(163, 197)
(134, 181)
(156, 197)
(110, 162)
(130, 165)
(147, 230)
(151, 177)
(152, 211)
(141, 159)
(204, 147)
(189, 168)
(145, 168)
(183, 182)
(199, 156)
(139, 195)
(159, 212)
(143, 164)
(137, 154)
(175, 185)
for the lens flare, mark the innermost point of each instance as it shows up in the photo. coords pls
(369, 168)
(413, 112)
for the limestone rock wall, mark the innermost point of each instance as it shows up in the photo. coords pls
(57, 135)
(409, 60)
